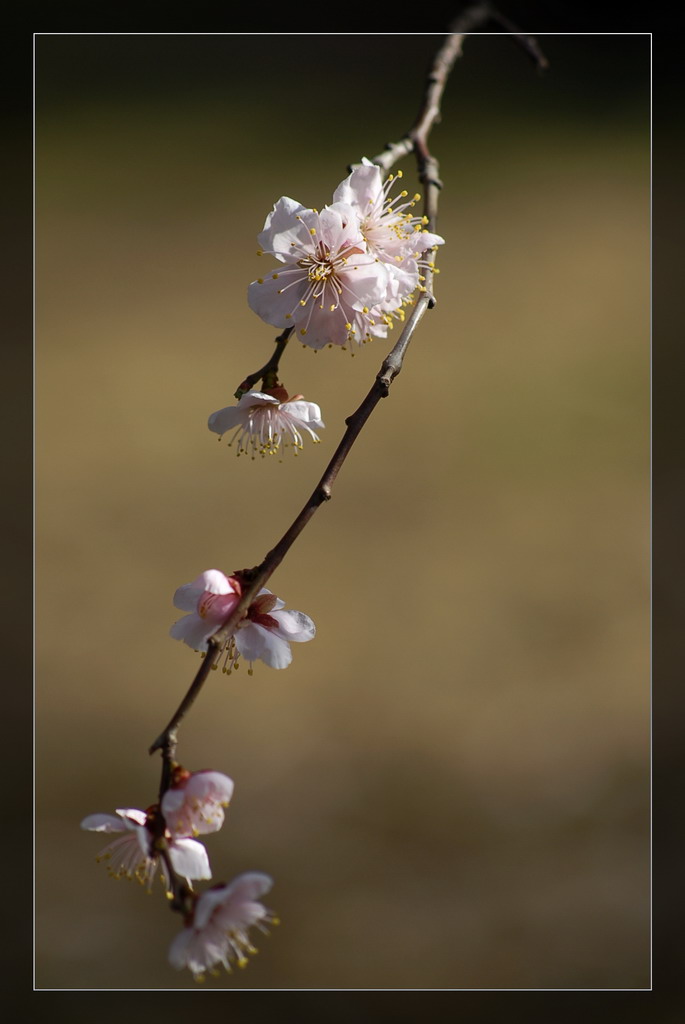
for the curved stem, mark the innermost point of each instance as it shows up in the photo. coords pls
(269, 370)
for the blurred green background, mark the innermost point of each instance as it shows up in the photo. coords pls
(450, 785)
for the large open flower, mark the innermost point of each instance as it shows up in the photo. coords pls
(264, 419)
(217, 932)
(327, 281)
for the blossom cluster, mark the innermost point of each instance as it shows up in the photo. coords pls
(217, 921)
(345, 275)
(349, 271)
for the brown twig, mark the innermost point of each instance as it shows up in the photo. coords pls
(269, 372)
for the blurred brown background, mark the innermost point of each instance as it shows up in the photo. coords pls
(450, 785)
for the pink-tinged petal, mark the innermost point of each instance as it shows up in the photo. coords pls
(187, 596)
(307, 412)
(103, 823)
(361, 188)
(172, 801)
(282, 227)
(132, 816)
(277, 300)
(208, 903)
(192, 630)
(338, 227)
(216, 582)
(223, 420)
(278, 604)
(250, 886)
(365, 282)
(249, 641)
(251, 398)
(422, 240)
(240, 909)
(209, 785)
(189, 858)
(294, 626)
(274, 651)
(179, 951)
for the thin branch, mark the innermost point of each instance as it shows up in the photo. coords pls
(268, 372)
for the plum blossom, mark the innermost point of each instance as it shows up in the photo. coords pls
(265, 633)
(209, 599)
(329, 281)
(392, 234)
(269, 629)
(264, 419)
(217, 931)
(133, 856)
(194, 803)
(395, 237)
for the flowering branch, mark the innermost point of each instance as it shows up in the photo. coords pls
(257, 577)
(416, 140)
(344, 276)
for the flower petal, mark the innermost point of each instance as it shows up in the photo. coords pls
(294, 626)
(192, 630)
(103, 823)
(189, 858)
(255, 642)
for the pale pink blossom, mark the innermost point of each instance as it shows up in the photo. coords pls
(268, 630)
(328, 281)
(218, 931)
(133, 856)
(391, 232)
(264, 419)
(265, 633)
(209, 599)
(194, 804)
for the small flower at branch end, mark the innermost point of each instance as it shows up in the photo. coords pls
(194, 804)
(134, 855)
(217, 932)
(263, 420)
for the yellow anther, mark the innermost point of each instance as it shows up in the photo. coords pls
(274, 276)
(312, 231)
(260, 280)
(303, 330)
